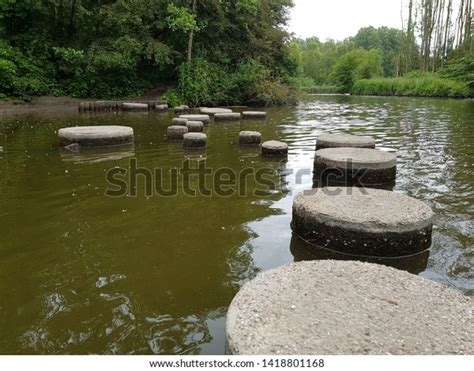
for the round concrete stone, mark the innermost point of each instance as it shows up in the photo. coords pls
(354, 166)
(363, 221)
(213, 111)
(179, 121)
(203, 118)
(195, 126)
(254, 114)
(161, 107)
(96, 136)
(176, 132)
(195, 140)
(134, 106)
(179, 109)
(344, 140)
(347, 308)
(274, 148)
(234, 116)
(250, 137)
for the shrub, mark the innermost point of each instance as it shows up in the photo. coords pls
(173, 98)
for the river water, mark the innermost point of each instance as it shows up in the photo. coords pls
(82, 272)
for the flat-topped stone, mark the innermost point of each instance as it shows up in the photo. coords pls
(250, 138)
(182, 108)
(347, 308)
(96, 136)
(344, 140)
(355, 166)
(234, 116)
(254, 114)
(274, 148)
(195, 126)
(363, 221)
(203, 118)
(176, 132)
(179, 121)
(161, 107)
(195, 140)
(213, 111)
(134, 106)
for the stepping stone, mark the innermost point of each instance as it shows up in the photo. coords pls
(363, 221)
(179, 121)
(176, 132)
(203, 118)
(96, 136)
(250, 138)
(195, 140)
(354, 166)
(274, 148)
(195, 126)
(134, 107)
(254, 115)
(213, 111)
(234, 116)
(347, 308)
(344, 140)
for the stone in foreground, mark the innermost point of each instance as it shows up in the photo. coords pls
(234, 116)
(354, 166)
(274, 148)
(254, 114)
(176, 132)
(363, 221)
(195, 126)
(203, 118)
(344, 140)
(96, 136)
(195, 140)
(134, 106)
(250, 138)
(179, 121)
(347, 308)
(213, 111)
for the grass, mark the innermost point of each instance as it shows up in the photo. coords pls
(428, 85)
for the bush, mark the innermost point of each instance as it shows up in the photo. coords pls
(21, 76)
(204, 83)
(427, 85)
(355, 65)
(173, 98)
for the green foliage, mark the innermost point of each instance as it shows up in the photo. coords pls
(181, 19)
(355, 65)
(461, 70)
(428, 85)
(173, 97)
(118, 48)
(388, 40)
(204, 83)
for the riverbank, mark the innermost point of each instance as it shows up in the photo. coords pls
(424, 86)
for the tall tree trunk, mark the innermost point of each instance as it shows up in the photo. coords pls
(191, 36)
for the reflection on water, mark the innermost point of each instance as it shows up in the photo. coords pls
(83, 273)
(94, 155)
(305, 250)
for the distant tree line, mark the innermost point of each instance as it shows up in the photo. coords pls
(435, 44)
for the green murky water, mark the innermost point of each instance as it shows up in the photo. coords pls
(84, 273)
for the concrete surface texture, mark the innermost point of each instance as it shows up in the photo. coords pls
(330, 307)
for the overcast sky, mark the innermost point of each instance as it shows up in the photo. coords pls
(338, 19)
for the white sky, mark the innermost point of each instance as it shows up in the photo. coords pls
(338, 19)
